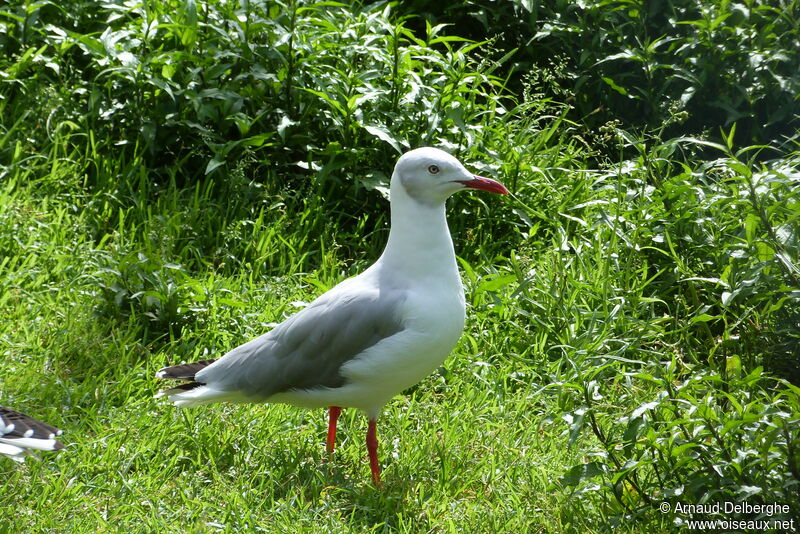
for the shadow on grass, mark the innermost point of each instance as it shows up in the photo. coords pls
(341, 484)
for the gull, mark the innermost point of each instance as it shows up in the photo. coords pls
(371, 336)
(21, 434)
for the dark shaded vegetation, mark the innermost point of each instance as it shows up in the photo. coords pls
(639, 63)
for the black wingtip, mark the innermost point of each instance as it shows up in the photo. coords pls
(184, 371)
(25, 426)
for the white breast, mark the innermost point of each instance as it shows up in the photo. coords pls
(434, 321)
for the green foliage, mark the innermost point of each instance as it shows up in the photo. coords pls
(305, 85)
(142, 288)
(634, 61)
(704, 438)
(668, 284)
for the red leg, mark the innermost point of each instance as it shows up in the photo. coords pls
(333, 412)
(372, 449)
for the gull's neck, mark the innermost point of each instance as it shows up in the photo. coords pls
(419, 243)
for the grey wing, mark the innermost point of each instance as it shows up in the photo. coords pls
(308, 350)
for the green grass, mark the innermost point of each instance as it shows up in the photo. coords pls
(633, 305)
(265, 468)
(133, 463)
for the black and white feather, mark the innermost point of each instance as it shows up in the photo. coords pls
(21, 434)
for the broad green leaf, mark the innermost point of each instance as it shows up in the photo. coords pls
(496, 283)
(384, 135)
(582, 472)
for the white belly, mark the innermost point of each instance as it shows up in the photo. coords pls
(433, 327)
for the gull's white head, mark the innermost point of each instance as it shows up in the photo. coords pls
(429, 175)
